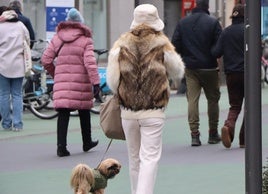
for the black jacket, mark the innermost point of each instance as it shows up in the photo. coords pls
(194, 37)
(26, 21)
(231, 46)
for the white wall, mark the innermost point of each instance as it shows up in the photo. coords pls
(120, 16)
(229, 5)
(36, 12)
(4, 2)
(157, 3)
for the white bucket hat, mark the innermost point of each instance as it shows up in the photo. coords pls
(147, 14)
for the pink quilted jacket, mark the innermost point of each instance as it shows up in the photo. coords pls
(75, 70)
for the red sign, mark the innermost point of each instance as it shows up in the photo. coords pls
(187, 6)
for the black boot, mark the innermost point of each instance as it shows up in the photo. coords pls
(85, 123)
(196, 138)
(62, 151)
(62, 128)
(92, 144)
(214, 137)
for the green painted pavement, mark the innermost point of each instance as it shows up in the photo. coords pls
(29, 165)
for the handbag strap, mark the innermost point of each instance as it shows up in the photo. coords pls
(109, 145)
(57, 53)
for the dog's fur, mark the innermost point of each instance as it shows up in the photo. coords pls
(85, 179)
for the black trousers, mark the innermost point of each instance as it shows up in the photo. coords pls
(235, 86)
(63, 122)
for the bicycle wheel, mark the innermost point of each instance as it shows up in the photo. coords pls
(74, 113)
(263, 73)
(96, 107)
(97, 102)
(38, 103)
(266, 74)
(95, 110)
(45, 113)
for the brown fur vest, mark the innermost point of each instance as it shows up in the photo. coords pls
(143, 78)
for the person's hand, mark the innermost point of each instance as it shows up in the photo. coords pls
(96, 90)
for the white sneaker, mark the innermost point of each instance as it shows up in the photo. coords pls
(17, 129)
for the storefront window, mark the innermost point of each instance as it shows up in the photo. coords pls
(94, 12)
(264, 18)
(35, 11)
(95, 15)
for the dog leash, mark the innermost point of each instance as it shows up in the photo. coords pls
(105, 152)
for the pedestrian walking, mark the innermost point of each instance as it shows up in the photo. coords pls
(12, 69)
(16, 5)
(140, 64)
(76, 77)
(2, 9)
(193, 38)
(231, 46)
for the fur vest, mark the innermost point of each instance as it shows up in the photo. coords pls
(140, 65)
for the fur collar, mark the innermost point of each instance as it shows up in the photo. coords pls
(74, 25)
(143, 30)
(144, 38)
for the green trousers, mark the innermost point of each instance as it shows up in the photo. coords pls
(208, 80)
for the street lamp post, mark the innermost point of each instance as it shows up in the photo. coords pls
(253, 153)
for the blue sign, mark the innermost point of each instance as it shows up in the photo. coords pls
(55, 15)
(56, 12)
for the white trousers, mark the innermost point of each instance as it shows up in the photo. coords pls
(144, 144)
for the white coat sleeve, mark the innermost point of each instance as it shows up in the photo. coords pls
(113, 70)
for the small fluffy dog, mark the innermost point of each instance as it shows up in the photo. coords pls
(85, 179)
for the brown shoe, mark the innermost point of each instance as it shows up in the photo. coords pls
(226, 137)
(242, 137)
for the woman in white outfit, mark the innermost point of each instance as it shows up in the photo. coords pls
(140, 65)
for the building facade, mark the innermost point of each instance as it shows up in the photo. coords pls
(109, 18)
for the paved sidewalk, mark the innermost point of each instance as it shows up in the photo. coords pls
(29, 165)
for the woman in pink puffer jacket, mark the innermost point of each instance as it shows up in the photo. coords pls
(76, 77)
